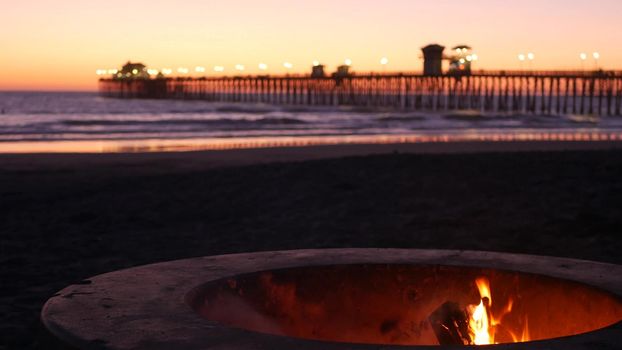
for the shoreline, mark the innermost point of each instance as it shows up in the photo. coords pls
(174, 145)
(210, 159)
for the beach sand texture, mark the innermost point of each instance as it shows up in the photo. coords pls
(64, 218)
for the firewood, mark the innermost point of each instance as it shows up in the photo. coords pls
(450, 324)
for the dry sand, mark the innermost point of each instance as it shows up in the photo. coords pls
(67, 217)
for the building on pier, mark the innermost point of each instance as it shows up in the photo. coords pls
(460, 62)
(317, 71)
(433, 60)
(343, 71)
(133, 71)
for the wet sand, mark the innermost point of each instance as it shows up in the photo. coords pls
(66, 217)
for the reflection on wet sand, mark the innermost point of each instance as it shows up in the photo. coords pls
(180, 145)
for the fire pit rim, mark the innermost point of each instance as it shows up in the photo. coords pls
(145, 307)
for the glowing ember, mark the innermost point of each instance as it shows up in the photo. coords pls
(483, 324)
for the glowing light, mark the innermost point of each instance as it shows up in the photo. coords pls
(474, 57)
(531, 56)
(263, 66)
(100, 71)
(200, 69)
(152, 71)
(583, 56)
(167, 71)
(316, 63)
(219, 68)
(348, 62)
(134, 71)
(469, 58)
(483, 324)
(596, 55)
(521, 57)
(479, 324)
(112, 71)
(458, 50)
(462, 60)
(384, 61)
(183, 70)
(288, 65)
(240, 67)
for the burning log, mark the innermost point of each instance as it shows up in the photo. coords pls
(451, 324)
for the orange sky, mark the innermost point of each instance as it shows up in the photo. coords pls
(58, 45)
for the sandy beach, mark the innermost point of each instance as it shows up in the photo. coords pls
(65, 217)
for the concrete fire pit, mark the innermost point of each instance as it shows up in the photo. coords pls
(337, 299)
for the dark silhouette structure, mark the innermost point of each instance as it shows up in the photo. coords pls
(133, 71)
(343, 71)
(318, 71)
(460, 62)
(433, 60)
(522, 92)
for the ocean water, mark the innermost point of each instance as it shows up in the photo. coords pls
(49, 117)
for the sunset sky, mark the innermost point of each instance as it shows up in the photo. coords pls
(58, 45)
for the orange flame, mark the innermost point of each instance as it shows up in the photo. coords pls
(479, 325)
(524, 336)
(482, 323)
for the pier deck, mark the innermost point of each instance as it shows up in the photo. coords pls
(593, 93)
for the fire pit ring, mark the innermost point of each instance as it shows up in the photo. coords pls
(158, 306)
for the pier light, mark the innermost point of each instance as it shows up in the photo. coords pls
(458, 50)
(100, 72)
(521, 57)
(219, 68)
(288, 65)
(316, 63)
(384, 61)
(583, 57)
(348, 62)
(263, 66)
(531, 56)
(183, 70)
(240, 67)
(134, 71)
(112, 71)
(469, 58)
(462, 61)
(596, 56)
(152, 71)
(167, 71)
(200, 69)
(474, 57)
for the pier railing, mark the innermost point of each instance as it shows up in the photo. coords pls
(597, 93)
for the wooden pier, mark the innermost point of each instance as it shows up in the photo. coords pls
(594, 93)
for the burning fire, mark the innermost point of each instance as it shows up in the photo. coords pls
(483, 324)
(480, 320)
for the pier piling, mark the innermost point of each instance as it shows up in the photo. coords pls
(535, 92)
